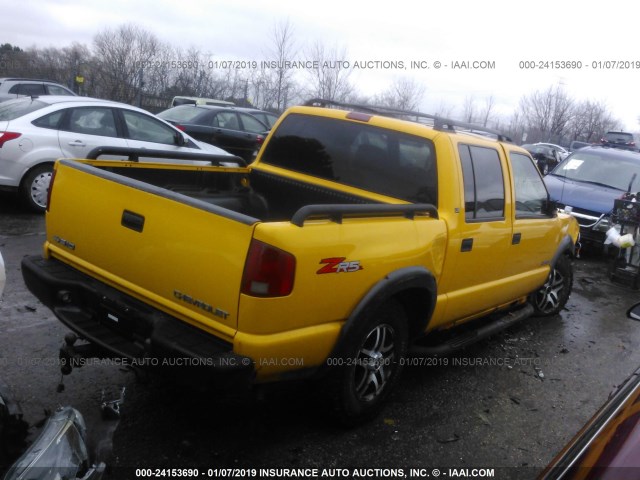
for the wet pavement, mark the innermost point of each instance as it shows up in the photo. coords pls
(509, 403)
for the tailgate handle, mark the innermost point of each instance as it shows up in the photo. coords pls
(132, 220)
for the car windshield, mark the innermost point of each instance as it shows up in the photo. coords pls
(17, 108)
(598, 167)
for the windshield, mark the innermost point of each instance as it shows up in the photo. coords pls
(601, 168)
(16, 108)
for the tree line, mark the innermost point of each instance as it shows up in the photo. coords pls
(132, 65)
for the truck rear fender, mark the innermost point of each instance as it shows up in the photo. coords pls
(413, 287)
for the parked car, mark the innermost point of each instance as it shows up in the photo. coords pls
(11, 88)
(34, 132)
(231, 129)
(623, 140)
(587, 182)
(577, 145)
(179, 100)
(268, 118)
(546, 157)
(608, 446)
(562, 152)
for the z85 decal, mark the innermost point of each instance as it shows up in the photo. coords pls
(339, 265)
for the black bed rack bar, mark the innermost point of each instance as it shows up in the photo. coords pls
(336, 212)
(439, 123)
(134, 155)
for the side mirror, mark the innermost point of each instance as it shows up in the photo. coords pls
(550, 207)
(634, 312)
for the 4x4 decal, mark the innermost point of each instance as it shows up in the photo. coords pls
(338, 265)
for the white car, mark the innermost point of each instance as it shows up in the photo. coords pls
(36, 131)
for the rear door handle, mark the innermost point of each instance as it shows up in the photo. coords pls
(467, 245)
(77, 143)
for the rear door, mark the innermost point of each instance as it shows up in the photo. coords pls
(481, 238)
(84, 128)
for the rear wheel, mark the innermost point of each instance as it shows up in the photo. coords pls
(362, 378)
(35, 187)
(553, 295)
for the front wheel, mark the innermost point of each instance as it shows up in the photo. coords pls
(553, 295)
(361, 379)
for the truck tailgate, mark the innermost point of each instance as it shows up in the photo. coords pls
(180, 255)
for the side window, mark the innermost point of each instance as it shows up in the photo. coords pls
(29, 89)
(483, 183)
(529, 187)
(93, 121)
(56, 90)
(252, 125)
(228, 120)
(147, 129)
(49, 121)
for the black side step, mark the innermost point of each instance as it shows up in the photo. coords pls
(469, 338)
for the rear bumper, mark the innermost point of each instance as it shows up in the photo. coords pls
(131, 331)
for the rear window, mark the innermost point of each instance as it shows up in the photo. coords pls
(619, 137)
(184, 114)
(360, 155)
(17, 108)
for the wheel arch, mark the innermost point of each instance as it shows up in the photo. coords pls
(31, 168)
(414, 288)
(567, 247)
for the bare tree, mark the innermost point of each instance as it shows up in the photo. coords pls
(330, 80)
(444, 109)
(590, 121)
(547, 113)
(279, 80)
(403, 94)
(485, 115)
(121, 55)
(469, 109)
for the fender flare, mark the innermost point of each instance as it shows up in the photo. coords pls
(394, 283)
(566, 245)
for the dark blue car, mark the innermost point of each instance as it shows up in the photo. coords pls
(587, 182)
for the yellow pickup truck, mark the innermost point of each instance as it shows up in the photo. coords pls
(356, 233)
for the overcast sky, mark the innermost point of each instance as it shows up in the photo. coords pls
(501, 32)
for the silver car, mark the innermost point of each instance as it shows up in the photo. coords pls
(11, 88)
(34, 132)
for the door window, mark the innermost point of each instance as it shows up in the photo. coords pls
(483, 183)
(147, 129)
(531, 194)
(252, 125)
(93, 121)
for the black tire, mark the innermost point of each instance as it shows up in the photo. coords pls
(553, 295)
(35, 186)
(370, 366)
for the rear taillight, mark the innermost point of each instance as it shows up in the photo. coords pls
(259, 139)
(181, 128)
(269, 271)
(6, 136)
(53, 177)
